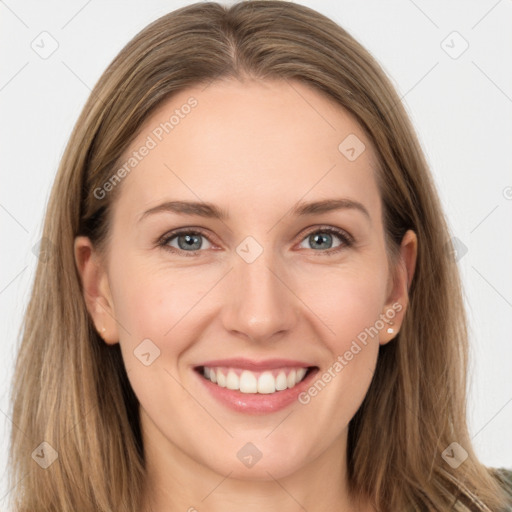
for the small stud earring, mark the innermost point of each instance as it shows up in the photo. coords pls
(103, 329)
(390, 330)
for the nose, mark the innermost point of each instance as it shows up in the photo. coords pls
(261, 305)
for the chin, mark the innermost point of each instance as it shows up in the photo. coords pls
(250, 463)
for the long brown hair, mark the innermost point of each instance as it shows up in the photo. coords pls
(71, 389)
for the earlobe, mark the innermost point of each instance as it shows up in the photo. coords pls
(400, 283)
(96, 290)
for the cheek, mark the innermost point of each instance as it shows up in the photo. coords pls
(347, 301)
(349, 304)
(151, 301)
(154, 306)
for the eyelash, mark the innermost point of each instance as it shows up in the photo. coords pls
(346, 239)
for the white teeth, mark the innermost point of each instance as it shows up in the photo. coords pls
(266, 382)
(232, 380)
(291, 378)
(248, 382)
(281, 381)
(300, 374)
(221, 379)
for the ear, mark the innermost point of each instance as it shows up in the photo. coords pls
(399, 283)
(96, 290)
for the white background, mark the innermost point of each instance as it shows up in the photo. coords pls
(461, 108)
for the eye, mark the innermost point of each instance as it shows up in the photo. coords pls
(192, 241)
(187, 241)
(322, 238)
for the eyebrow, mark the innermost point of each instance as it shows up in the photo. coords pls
(209, 210)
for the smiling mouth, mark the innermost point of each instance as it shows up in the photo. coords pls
(255, 382)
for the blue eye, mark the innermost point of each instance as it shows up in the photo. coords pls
(324, 236)
(190, 242)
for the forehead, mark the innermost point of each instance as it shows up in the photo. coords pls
(241, 145)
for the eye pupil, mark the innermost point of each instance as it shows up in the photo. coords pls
(322, 237)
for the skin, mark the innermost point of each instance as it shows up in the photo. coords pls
(254, 149)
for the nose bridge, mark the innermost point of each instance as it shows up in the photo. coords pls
(260, 304)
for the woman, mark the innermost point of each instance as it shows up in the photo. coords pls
(252, 371)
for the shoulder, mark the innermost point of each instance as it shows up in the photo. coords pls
(504, 476)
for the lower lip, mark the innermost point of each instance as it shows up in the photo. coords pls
(257, 403)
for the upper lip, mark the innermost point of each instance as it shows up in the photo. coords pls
(248, 364)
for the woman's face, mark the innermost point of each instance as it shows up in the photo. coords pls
(279, 274)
